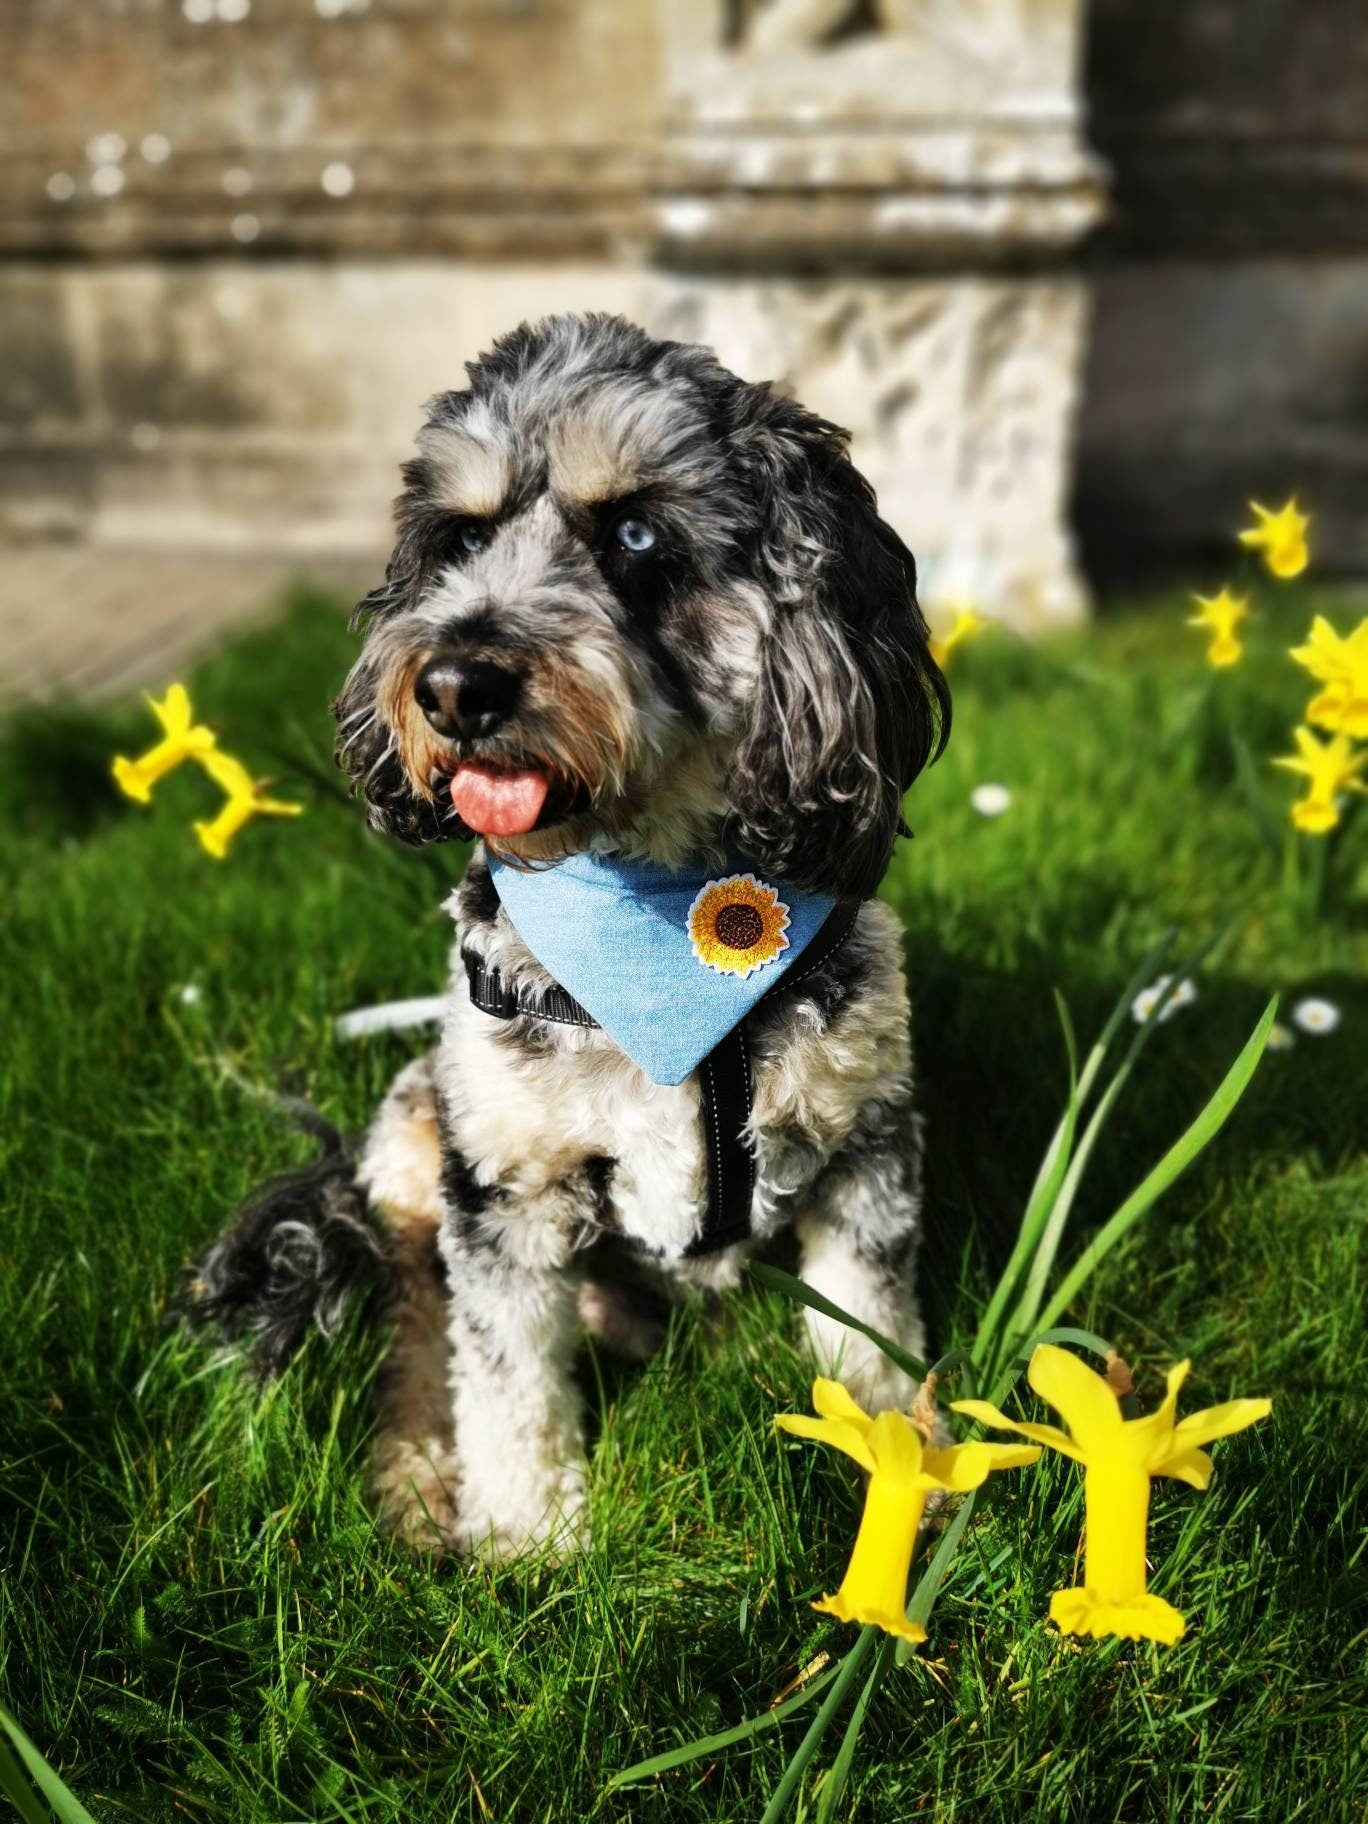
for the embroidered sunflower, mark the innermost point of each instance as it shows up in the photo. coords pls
(737, 925)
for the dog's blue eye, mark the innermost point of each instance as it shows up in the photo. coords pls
(473, 539)
(633, 534)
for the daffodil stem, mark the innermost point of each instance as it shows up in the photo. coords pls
(1247, 777)
(724, 1738)
(835, 1698)
(1315, 875)
(1061, 1170)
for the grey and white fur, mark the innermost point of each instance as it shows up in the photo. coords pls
(748, 674)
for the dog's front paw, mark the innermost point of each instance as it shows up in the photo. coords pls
(415, 1490)
(558, 1532)
(872, 1380)
(524, 1509)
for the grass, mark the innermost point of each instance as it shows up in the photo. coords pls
(197, 1619)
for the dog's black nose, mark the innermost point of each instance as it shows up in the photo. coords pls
(466, 697)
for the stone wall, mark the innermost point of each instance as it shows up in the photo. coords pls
(242, 240)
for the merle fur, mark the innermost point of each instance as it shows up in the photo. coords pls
(755, 496)
(301, 1251)
(847, 705)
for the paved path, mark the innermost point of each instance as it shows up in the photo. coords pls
(75, 621)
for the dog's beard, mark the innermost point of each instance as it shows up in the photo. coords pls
(591, 748)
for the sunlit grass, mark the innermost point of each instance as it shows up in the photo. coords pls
(196, 1616)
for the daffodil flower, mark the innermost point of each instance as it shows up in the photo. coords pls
(182, 739)
(244, 801)
(1221, 615)
(1119, 1458)
(1330, 768)
(1281, 536)
(1341, 665)
(965, 625)
(903, 1470)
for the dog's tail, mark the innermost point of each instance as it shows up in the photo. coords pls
(303, 1250)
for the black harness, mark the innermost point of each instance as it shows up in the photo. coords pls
(724, 1076)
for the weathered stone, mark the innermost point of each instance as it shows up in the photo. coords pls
(474, 129)
(810, 141)
(251, 405)
(960, 396)
(872, 203)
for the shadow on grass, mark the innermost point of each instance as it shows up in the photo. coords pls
(55, 779)
(993, 1083)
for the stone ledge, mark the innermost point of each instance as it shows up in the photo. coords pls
(888, 232)
(477, 201)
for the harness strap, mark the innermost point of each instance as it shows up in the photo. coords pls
(724, 1075)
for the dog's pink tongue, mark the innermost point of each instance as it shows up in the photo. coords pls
(498, 800)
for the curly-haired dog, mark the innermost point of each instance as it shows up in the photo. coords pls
(643, 621)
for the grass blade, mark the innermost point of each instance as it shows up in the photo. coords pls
(810, 1743)
(1247, 776)
(929, 1583)
(725, 1738)
(16, 1789)
(1052, 1231)
(1058, 1153)
(1176, 1160)
(835, 1783)
(1067, 1333)
(779, 1281)
(61, 1800)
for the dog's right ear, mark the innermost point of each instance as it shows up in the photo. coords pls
(848, 705)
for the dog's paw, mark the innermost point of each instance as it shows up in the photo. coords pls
(415, 1492)
(874, 1382)
(559, 1535)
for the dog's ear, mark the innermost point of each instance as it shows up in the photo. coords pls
(848, 704)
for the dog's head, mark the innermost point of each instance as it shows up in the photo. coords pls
(636, 599)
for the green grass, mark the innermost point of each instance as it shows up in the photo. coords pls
(198, 1620)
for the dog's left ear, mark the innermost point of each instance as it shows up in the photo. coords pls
(848, 704)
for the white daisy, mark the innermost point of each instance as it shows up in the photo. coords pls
(990, 800)
(1280, 1037)
(1163, 999)
(191, 993)
(1316, 1016)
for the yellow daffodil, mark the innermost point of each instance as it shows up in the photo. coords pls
(1330, 768)
(903, 1470)
(1119, 1457)
(1281, 536)
(244, 801)
(964, 626)
(1221, 615)
(1341, 665)
(182, 739)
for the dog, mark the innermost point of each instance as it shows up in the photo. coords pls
(641, 617)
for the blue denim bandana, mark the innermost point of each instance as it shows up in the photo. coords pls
(667, 963)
